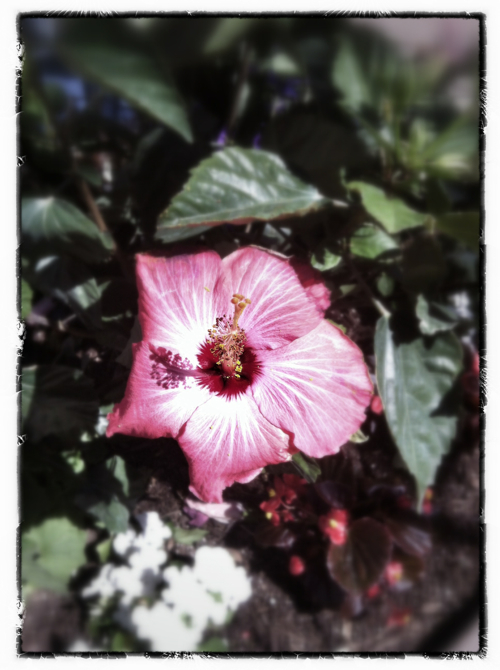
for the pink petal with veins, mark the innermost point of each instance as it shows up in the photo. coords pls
(316, 387)
(313, 284)
(280, 310)
(148, 408)
(179, 299)
(227, 440)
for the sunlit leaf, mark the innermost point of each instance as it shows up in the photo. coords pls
(412, 380)
(442, 318)
(370, 241)
(324, 260)
(51, 553)
(134, 75)
(361, 561)
(238, 186)
(391, 212)
(52, 225)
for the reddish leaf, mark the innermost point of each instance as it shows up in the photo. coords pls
(275, 536)
(411, 538)
(361, 561)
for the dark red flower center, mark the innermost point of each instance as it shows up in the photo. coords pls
(225, 363)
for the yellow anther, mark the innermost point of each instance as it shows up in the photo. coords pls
(272, 493)
(333, 523)
(269, 515)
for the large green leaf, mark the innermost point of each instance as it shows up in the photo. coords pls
(239, 186)
(391, 212)
(51, 225)
(55, 399)
(370, 241)
(463, 226)
(412, 380)
(51, 553)
(134, 75)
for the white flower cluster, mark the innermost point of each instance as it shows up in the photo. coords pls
(194, 597)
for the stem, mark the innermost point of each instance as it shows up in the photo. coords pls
(101, 223)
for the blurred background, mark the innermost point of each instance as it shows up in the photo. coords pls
(382, 118)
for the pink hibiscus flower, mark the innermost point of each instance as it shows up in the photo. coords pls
(244, 390)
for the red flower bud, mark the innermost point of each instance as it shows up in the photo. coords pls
(376, 405)
(296, 565)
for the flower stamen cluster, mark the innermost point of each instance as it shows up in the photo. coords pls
(227, 340)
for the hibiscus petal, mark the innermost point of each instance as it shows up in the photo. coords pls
(180, 298)
(316, 387)
(149, 410)
(314, 285)
(226, 440)
(280, 310)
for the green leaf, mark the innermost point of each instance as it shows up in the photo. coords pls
(73, 284)
(51, 225)
(349, 77)
(385, 284)
(134, 75)
(391, 212)
(238, 186)
(412, 380)
(183, 536)
(26, 299)
(51, 553)
(359, 437)
(370, 241)
(113, 515)
(324, 260)
(463, 226)
(338, 325)
(55, 399)
(227, 32)
(118, 468)
(430, 325)
(307, 467)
